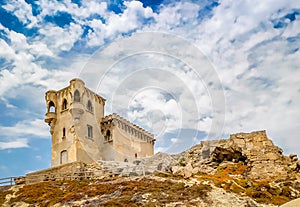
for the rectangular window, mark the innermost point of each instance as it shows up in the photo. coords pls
(64, 132)
(89, 131)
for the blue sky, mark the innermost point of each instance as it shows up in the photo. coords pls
(250, 47)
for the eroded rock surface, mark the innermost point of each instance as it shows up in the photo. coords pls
(256, 150)
(245, 170)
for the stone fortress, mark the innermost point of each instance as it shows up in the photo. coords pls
(81, 132)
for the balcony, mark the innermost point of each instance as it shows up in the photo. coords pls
(50, 116)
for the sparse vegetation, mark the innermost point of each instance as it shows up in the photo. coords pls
(178, 184)
(260, 191)
(182, 163)
(146, 191)
(3, 193)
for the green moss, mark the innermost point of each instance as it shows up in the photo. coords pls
(181, 163)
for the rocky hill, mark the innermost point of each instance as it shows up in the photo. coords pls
(245, 170)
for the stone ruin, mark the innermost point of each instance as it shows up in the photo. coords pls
(265, 161)
(256, 150)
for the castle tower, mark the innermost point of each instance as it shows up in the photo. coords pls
(74, 114)
(80, 132)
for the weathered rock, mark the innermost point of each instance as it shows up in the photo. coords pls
(19, 180)
(293, 157)
(242, 163)
(188, 171)
(184, 171)
(293, 203)
(265, 160)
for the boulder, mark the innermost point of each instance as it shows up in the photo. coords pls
(186, 171)
(19, 180)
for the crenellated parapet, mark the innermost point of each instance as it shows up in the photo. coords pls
(113, 121)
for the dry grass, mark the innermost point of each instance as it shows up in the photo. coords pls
(258, 190)
(3, 192)
(123, 193)
(167, 188)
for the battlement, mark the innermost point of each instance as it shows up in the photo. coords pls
(127, 127)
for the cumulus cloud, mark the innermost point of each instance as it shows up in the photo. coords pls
(22, 10)
(55, 36)
(257, 65)
(254, 47)
(131, 19)
(171, 17)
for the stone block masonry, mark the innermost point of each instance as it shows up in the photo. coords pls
(81, 132)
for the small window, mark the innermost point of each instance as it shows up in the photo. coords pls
(51, 107)
(89, 106)
(76, 96)
(63, 157)
(107, 136)
(89, 131)
(65, 104)
(64, 132)
(135, 155)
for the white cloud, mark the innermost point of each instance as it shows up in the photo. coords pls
(151, 108)
(55, 36)
(265, 96)
(22, 10)
(87, 8)
(132, 18)
(34, 128)
(255, 62)
(158, 92)
(173, 16)
(240, 35)
(18, 143)
(174, 140)
(22, 67)
(38, 157)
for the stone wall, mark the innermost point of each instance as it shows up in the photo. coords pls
(255, 149)
(125, 141)
(80, 132)
(54, 173)
(265, 159)
(69, 119)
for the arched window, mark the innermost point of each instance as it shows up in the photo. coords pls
(51, 107)
(64, 104)
(64, 132)
(63, 157)
(89, 106)
(76, 96)
(108, 135)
